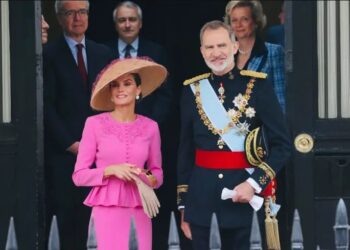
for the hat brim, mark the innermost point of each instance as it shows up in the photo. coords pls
(152, 76)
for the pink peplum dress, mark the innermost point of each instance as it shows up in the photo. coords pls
(114, 202)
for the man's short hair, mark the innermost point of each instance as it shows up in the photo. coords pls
(59, 5)
(214, 25)
(130, 5)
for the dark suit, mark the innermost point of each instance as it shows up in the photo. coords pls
(66, 100)
(158, 106)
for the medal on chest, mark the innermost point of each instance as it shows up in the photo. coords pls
(237, 114)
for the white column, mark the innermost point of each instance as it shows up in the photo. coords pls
(321, 59)
(5, 59)
(344, 59)
(332, 59)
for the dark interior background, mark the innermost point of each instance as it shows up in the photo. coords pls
(175, 24)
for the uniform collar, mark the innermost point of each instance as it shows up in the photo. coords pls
(226, 77)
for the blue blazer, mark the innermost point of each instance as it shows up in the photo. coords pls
(269, 58)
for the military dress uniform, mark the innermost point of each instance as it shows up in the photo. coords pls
(206, 164)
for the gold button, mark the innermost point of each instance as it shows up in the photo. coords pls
(220, 176)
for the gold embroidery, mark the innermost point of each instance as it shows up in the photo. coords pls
(258, 151)
(196, 79)
(268, 170)
(255, 153)
(234, 119)
(181, 189)
(248, 150)
(220, 143)
(263, 179)
(252, 73)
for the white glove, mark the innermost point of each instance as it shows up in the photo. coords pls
(256, 202)
(149, 199)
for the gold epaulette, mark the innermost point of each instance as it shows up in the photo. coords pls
(196, 78)
(252, 73)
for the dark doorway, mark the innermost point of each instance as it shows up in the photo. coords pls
(21, 133)
(319, 177)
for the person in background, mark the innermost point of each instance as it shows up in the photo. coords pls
(159, 105)
(70, 65)
(120, 143)
(247, 20)
(275, 33)
(44, 30)
(127, 17)
(218, 110)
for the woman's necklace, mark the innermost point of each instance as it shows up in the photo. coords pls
(244, 52)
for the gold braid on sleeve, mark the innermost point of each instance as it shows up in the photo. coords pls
(181, 189)
(268, 170)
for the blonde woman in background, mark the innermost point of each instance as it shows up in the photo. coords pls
(247, 20)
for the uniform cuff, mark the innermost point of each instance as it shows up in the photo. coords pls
(254, 185)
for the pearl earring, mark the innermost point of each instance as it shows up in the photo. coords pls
(137, 97)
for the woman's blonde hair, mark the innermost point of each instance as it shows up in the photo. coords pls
(256, 8)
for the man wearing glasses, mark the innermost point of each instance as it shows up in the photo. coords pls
(71, 64)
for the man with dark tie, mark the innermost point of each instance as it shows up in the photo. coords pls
(71, 64)
(127, 16)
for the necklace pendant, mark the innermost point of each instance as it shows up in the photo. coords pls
(221, 91)
(220, 143)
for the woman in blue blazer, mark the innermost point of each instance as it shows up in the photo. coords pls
(247, 20)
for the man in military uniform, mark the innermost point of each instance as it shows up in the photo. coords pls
(218, 110)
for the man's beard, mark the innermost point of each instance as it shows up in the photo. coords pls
(223, 66)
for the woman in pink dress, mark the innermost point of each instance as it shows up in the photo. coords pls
(120, 143)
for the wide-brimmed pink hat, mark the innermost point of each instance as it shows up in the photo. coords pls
(152, 76)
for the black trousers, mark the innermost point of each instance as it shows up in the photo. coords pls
(231, 239)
